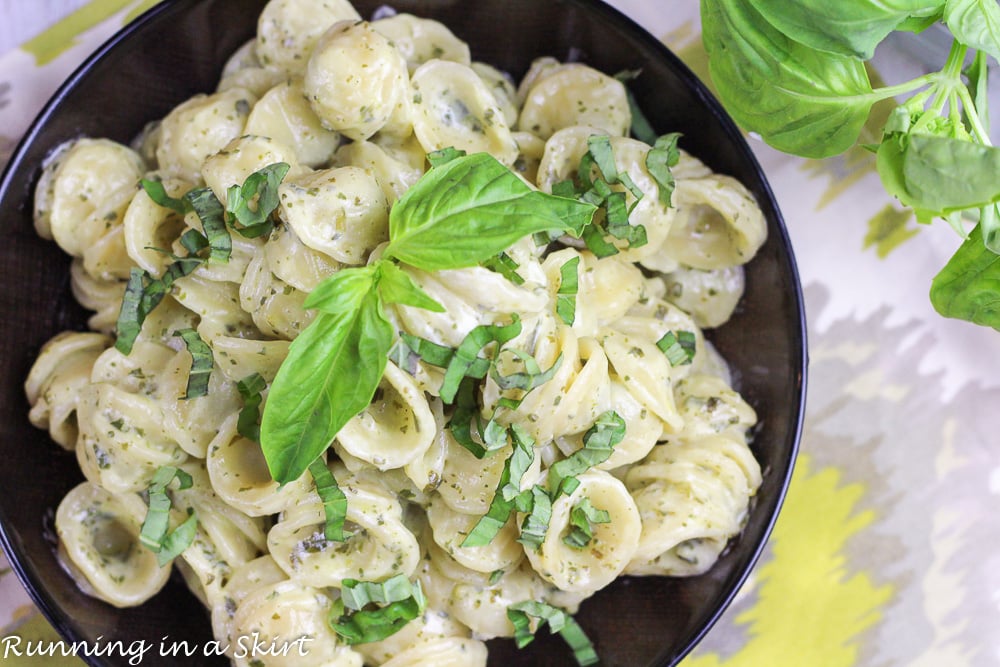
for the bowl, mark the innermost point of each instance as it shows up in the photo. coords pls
(177, 49)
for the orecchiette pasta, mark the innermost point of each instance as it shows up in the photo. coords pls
(600, 404)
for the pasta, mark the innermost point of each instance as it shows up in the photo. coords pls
(601, 435)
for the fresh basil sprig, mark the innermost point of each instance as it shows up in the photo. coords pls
(794, 72)
(460, 213)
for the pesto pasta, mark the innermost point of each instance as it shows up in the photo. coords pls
(534, 422)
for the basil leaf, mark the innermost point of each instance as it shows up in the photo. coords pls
(975, 23)
(202, 363)
(158, 193)
(539, 513)
(248, 422)
(364, 626)
(467, 355)
(978, 74)
(598, 445)
(396, 286)
(209, 209)
(799, 99)
(444, 155)
(154, 535)
(333, 499)
(532, 376)
(331, 373)
(344, 291)
(659, 160)
(466, 412)
(503, 264)
(480, 207)
(559, 620)
(569, 286)
(948, 174)
(679, 347)
(142, 294)
(968, 287)
(495, 576)
(581, 518)
(502, 505)
(261, 190)
(848, 27)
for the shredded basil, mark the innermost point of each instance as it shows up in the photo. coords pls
(659, 160)
(202, 363)
(250, 205)
(154, 534)
(560, 621)
(248, 422)
(678, 347)
(357, 617)
(569, 286)
(334, 501)
(444, 156)
(581, 518)
(503, 264)
(502, 505)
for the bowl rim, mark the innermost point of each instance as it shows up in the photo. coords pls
(30, 578)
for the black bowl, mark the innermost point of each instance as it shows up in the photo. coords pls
(178, 49)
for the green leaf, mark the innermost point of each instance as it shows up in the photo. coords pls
(444, 155)
(252, 204)
(344, 291)
(502, 505)
(569, 286)
(581, 520)
(559, 620)
(539, 514)
(331, 373)
(978, 74)
(800, 100)
(396, 286)
(471, 208)
(156, 192)
(968, 287)
(467, 357)
(248, 422)
(846, 27)
(679, 347)
(202, 363)
(333, 499)
(153, 534)
(503, 264)
(209, 209)
(943, 174)
(975, 23)
(663, 156)
(406, 602)
(598, 445)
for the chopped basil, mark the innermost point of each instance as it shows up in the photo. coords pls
(154, 535)
(334, 501)
(158, 193)
(467, 354)
(661, 157)
(357, 617)
(539, 512)
(495, 576)
(202, 363)
(581, 518)
(142, 294)
(209, 209)
(502, 505)
(679, 347)
(569, 286)
(598, 445)
(503, 264)
(559, 620)
(532, 376)
(248, 422)
(260, 189)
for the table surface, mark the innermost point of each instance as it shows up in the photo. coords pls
(885, 553)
